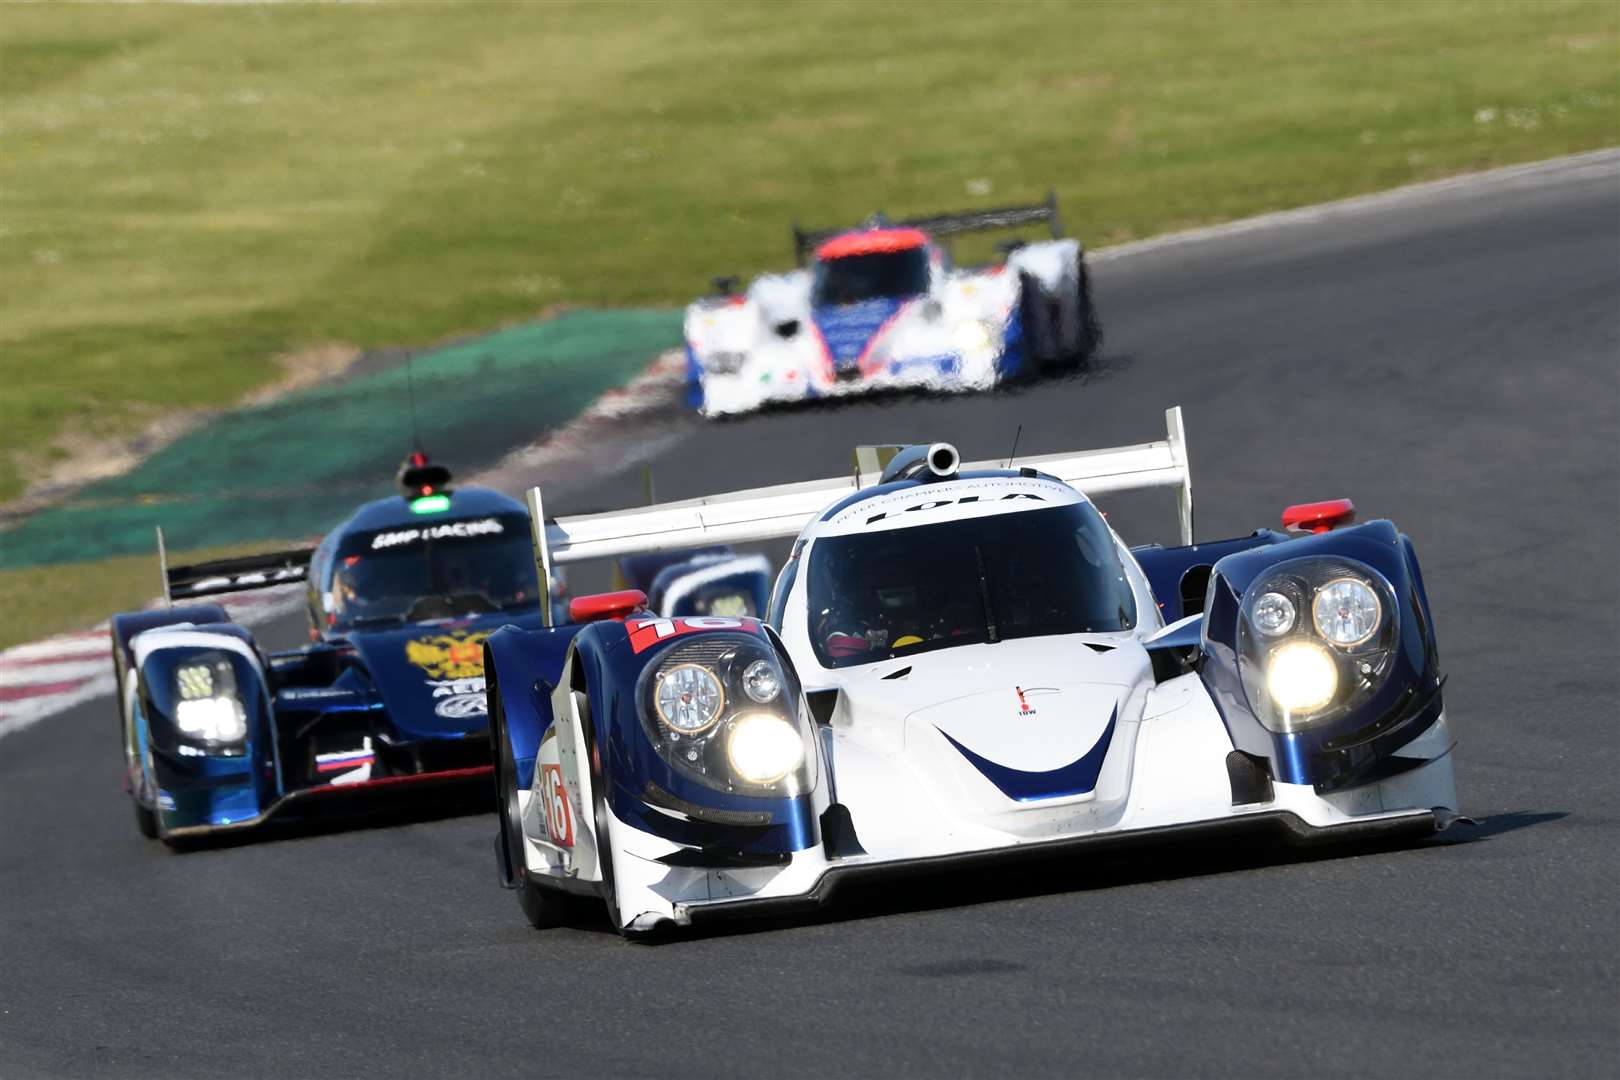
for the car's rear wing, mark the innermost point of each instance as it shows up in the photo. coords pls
(783, 510)
(1008, 217)
(181, 583)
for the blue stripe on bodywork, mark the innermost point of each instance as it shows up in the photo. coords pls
(1075, 778)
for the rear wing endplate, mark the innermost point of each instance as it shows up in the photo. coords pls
(240, 574)
(1007, 217)
(772, 513)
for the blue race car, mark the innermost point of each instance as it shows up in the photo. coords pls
(220, 735)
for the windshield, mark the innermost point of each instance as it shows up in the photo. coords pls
(853, 278)
(433, 572)
(873, 596)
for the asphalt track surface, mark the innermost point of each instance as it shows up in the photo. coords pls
(1449, 359)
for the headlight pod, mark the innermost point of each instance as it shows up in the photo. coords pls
(722, 710)
(1316, 638)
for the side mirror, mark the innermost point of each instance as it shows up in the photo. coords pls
(594, 607)
(1318, 517)
(725, 285)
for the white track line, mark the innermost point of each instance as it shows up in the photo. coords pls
(56, 649)
(21, 714)
(14, 675)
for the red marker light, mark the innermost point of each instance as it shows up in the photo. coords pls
(1318, 517)
(610, 605)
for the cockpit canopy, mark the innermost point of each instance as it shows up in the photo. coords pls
(889, 593)
(873, 264)
(432, 570)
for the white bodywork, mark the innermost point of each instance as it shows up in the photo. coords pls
(887, 752)
(950, 338)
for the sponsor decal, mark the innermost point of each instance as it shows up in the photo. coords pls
(935, 504)
(457, 699)
(559, 818)
(245, 579)
(344, 760)
(457, 654)
(645, 633)
(450, 530)
(314, 693)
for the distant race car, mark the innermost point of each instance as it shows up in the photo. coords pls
(883, 307)
(959, 664)
(220, 735)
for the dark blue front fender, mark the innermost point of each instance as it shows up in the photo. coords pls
(1354, 748)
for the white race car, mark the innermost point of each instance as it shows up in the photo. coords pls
(883, 307)
(960, 664)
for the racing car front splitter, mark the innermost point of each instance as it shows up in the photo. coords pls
(1276, 824)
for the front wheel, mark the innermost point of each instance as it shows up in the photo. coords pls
(543, 907)
(145, 820)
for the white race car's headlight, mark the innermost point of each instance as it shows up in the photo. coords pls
(1316, 638)
(764, 748)
(974, 336)
(207, 708)
(1346, 611)
(690, 698)
(1301, 677)
(723, 709)
(762, 682)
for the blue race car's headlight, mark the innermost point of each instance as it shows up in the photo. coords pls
(722, 710)
(207, 708)
(1316, 638)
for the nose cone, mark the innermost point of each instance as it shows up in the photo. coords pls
(1027, 742)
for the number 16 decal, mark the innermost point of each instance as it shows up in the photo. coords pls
(559, 819)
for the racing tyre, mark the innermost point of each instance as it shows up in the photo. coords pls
(1091, 333)
(145, 820)
(1035, 311)
(543, 907)
(602, 822)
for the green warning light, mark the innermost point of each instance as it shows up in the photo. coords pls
(430, 504)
